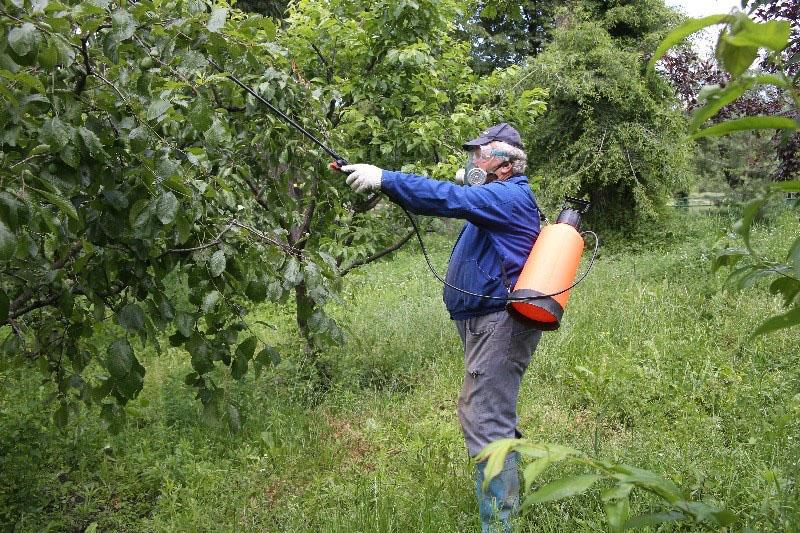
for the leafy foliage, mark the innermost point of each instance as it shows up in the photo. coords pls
(737, 49)
(616, 498)
(141, 184)
(610, 133)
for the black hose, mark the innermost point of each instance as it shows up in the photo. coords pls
(504, 298)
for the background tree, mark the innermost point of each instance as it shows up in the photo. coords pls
(141, 185)
(610, 134)
(507, 33)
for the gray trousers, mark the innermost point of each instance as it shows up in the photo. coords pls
(497, 350)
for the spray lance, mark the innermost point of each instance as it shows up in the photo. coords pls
(539, 297)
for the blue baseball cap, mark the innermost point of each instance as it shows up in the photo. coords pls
(499, 132)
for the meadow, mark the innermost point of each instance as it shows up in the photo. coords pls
(653, 367)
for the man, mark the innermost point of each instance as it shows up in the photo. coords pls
(502, 223)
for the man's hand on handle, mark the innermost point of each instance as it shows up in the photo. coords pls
(363, 177)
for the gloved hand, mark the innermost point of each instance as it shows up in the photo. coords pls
(363, 177)
(459, 177)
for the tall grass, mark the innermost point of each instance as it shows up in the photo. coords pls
(653, 367)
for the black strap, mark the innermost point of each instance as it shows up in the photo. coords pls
(505, 276)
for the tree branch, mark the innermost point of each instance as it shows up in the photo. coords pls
(378, 255)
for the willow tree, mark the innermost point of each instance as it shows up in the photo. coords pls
(611, 133)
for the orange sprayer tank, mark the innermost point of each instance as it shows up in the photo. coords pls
(551, 267)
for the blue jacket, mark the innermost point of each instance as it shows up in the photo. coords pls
(502, 225)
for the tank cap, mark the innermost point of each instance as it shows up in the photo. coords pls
(570, 216)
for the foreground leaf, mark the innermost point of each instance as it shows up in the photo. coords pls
(563, 488)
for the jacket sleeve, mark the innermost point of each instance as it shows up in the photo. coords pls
(488, 206)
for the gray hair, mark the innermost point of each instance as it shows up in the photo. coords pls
(503, 150)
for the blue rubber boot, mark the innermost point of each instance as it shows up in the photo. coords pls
(500, 502)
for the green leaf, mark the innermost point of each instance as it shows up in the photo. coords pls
(131, 317)
(773, 34)
(5, 305)
(217, 19)
(747, 123)
(617, 512)
(256, 291)
(185, 323)
(717, 97)
(55, 133)
(166, 207)
(534, 470)
(689, 27)
(157, 108)
(729, 257)
(217, 263)
(238, 368)
(789, 288)
(648, 480)
(563, 488)
(267, 356)
(201, 116)
(63, 205)
(119, 360)
(246, 348)
(293, 275)
(210, 300)
(91, 141)
(735, 59)
(744, 224)
(8, 242)
(123, 25)
(653, 519)
(24, 39)
(139, 213)
(617, 492)
(786, 320)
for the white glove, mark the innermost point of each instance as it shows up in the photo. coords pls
(363, 177)
(459, 178)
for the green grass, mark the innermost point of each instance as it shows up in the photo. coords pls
(652, 367)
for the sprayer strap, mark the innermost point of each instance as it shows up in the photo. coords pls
(505, 276)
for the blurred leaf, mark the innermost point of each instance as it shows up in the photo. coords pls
(729, 257)
(166, 207)
(773, 34)
(8, 242)
(217, 19)
(677, 35)
(123, 25)
(563, 488)
(746, 123)
(185, 323)
(617, 512)
(210, 300)
(157, 108)
(63, 205)
(217, 263)
(789, 288)
(533, 470)
(119, 360)
(246, 348)
(744, 224)
(735, 59)
(131, 317)
(786, 320)
(23, 39)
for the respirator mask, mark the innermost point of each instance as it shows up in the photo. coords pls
(475, 175)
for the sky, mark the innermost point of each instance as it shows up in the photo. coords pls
(701, 8)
